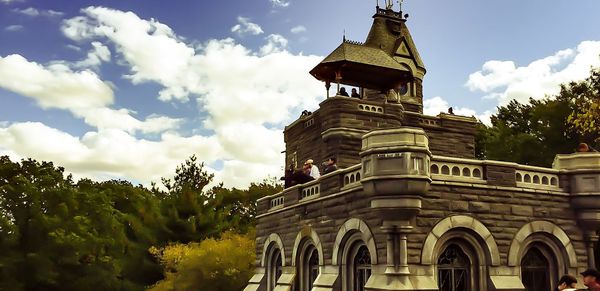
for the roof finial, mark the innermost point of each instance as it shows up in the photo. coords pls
(344, 35)
(400, 2)
(389, 4)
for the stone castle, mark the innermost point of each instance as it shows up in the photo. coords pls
(410, 207)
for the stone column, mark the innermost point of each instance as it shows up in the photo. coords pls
(390, 248)
(591, 238)
(403, 268)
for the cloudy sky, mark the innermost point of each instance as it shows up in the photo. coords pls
(129, 89)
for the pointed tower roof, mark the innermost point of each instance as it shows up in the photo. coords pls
(387, 58)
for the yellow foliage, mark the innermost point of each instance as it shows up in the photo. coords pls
(224, 264)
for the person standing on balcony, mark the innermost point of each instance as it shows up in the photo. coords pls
(343, 92)
(330, 165)
(314, 170)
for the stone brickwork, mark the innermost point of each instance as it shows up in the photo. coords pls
(336, 129)
(509, 215)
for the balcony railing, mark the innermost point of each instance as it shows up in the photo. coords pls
(442, 168)
(537, 178)
(455, 169)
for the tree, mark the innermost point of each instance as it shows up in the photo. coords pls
(58, 235)
(224, 264)
(586, 116)
(195, 213)
(535, 132)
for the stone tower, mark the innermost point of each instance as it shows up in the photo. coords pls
(410, 207)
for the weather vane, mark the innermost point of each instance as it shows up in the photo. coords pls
(389, 4)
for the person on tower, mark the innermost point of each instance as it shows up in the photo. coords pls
(343, 92)
(330, 165)
(313, 170)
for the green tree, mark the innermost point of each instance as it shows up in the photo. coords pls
(586, 115)
(532, 133)
(52, 227)
(58, 235)
(224, 264)
(195, 213)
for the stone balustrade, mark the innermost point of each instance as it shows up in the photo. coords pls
(455, 169)
(311, 190)
(352, 177)
(370, 108)
(442, 169)
(536, 177)
(276, 201)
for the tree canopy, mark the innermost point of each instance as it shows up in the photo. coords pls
(535, 132)
(57, 234)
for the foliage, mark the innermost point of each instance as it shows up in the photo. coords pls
(224, 264)
(60, 235)
(586, 116)
(194, 213)
(56, 234)
(535, 132)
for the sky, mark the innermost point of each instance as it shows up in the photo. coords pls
(129, 89)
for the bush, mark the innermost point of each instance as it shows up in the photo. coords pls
(224, 264)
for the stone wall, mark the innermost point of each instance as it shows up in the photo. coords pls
(337, 127)
(503, 212)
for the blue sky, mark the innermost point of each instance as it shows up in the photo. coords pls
(129, 89)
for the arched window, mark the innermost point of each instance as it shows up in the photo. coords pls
(308, 268)
(362, 268)
(313, 268)
(535, 269)
(454, 270)
(274, 269)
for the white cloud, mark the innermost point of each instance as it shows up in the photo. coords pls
(33, 12)
(436, 105)
(28, 11)
(247, 96)
(15, 27)
(107, 118)
(275, 44)
(505, 81)
(82, 93)
(11, 1)
(55, 86)
(245, 27)
(73, 47)
(51, 13)
(98, 54)
(298, 29)
(280, 3)
(152, 49)
(105, 154)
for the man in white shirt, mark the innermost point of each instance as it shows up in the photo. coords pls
(314, 170)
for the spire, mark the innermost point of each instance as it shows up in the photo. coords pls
(386, 59)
